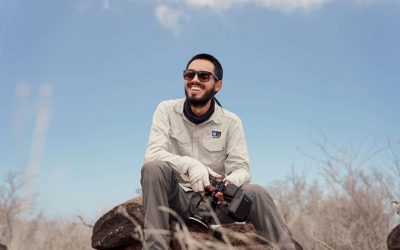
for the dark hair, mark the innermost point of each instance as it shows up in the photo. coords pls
(218, 71)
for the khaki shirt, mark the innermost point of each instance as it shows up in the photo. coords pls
(218, 143)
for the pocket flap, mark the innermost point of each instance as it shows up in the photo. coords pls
(180, 136)
(214, 145)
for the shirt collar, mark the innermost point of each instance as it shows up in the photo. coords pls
(216, 116)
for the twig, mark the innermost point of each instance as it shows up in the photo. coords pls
(322, 243)
(84, 222)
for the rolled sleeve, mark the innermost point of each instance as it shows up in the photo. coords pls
(159, 144)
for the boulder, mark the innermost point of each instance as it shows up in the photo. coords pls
(121, 229)
(393, 239)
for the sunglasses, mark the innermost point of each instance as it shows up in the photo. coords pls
(203, 76)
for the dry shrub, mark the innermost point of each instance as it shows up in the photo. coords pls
(40, 233)
(20, 230)
(12, 205)
(349, 207)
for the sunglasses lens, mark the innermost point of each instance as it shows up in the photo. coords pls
(189, 74)
(203, 76)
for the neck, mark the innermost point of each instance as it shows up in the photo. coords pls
(199, 111)
(198, 115)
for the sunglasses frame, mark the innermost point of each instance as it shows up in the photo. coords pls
(197, 72)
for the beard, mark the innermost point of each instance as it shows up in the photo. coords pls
(202, 101)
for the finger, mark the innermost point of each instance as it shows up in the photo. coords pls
(210, 188)
(219, 194)
(213, 174)
(198, 186)
(226, 182)
(218, 177)
(206, 182)
(220, 197)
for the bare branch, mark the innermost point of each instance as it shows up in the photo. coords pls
(84, 222)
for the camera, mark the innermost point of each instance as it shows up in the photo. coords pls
(238, 203)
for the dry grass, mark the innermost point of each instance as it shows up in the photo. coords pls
(347, 209)
(20, 230)
(40, 233)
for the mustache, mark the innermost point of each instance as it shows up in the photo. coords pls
(196, 84)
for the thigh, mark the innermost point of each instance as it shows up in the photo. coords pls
(256, 191)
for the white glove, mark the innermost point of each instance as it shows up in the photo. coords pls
(230, 180)
(199, 175)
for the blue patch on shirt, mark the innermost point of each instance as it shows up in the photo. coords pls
(216, 134)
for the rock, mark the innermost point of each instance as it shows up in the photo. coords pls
(393, 239)
(121, 229)
(3, 247)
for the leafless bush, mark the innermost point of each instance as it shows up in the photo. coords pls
(347, 209)
(12, 205)
(21, 230)
(350, 207)
(392, 162)
(41, 233)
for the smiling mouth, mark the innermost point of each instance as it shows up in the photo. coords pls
(196, 88)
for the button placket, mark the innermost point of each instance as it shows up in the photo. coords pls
(195, 143)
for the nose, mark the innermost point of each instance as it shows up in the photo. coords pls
(195, 78)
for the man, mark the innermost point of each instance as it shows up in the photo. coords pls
(190, 140)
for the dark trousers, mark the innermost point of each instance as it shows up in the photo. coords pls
(161, 190)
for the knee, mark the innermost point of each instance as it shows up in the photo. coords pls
(257, 191)
(152, 167)
(157, 173)
(155, 170)
(254, 189)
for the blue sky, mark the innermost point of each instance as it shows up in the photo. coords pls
(80, 79)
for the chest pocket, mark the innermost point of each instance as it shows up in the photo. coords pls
(214, 152)
(180, 143)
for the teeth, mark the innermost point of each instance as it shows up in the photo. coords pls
(195, 88)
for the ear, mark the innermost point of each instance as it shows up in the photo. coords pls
(218, 86)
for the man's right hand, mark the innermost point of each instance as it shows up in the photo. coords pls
(199, 175)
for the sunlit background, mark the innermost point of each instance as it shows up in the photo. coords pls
(80, 79)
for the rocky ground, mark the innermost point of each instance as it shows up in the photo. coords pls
(121, 227)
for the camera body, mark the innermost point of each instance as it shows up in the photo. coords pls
(238, 208)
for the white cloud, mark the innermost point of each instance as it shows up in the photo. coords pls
(23, 89)
(281, 5)
(106, 4)
(83, 5)
(172, 17)
(169, 18)
(291, 5)
(43, 117)
(219, 5)
(46, 90)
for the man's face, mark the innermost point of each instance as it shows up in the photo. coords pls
(197, 92)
